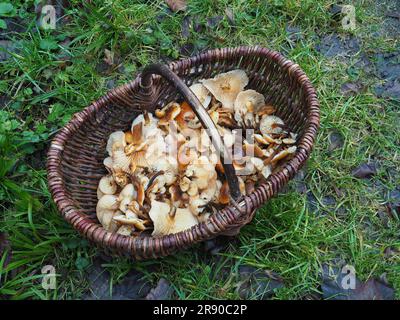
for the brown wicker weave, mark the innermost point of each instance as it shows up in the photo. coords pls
(75, 158)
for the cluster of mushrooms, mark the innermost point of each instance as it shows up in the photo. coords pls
(164, 174)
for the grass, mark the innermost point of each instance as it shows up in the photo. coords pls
(53, 74)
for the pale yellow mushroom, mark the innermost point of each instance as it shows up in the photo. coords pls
(270, 124)
(166, 221)
(130, 221)
(226, 86)
(266, 171)
(247, 104)
(168, 113)
(284, 153)
(201, 171)
(201, 92)
(125, 230)
(106, 209)
(116, 141)
(108, 164)
(107, 185)
(288, 141)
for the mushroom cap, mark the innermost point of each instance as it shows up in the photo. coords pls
(106, 219)
(289, 141)
(247, 104)
(99, 194)
(284, 153)
(226, 86)
(108, 163)
(270, 124)
(266, 171)
(164, 223)
(107, 202)
(223, 197)
(169, 167)
(116, 141)
(121, 161)
(202, 93)
(125, 230)
(128, 192)
(202, 170)
(131, 221)
(257, 162)
(107, 185)
(168, 113)
(149, 124)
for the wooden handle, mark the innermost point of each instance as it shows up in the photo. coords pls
(202, 114)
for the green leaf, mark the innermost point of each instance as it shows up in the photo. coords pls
(148, 40)
(81, 263)
(6, 8)
(3, 24)
(48, 44)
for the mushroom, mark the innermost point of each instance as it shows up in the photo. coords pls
(169, 168)
(105, 210)
(186, 116)
(108, 163)
(248, 103)
(116, 141)
(265, 110)
(288, 141)
(283, 154)
(168, 113)
(125, 230)
(149, 123)
(226, 118)
(201, 171)
(253, 150)
(120, 178)
(201, 92)
(167, 221)
(270, 124)
(197, 205)
(126, 196)
(99, 194)
(130, 221)
(135, 136)
(266, 171)
(107, 185)
(223, 197)
(226, 86)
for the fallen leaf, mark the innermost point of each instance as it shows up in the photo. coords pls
(131, 287)
(218, 244)
(230, 16)
(351, 88)
(336, 140)
(365, 170)
(176, 5)
(333, 287)
(163, 291)
(108, 57)
(257, 284)
(185, 31)
(214, 21)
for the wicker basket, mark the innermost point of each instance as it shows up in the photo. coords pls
(75, 158)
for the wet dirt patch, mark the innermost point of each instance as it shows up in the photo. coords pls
(332, 45)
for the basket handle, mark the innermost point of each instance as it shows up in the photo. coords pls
(202, 114)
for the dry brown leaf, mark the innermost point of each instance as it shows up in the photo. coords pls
(176, 5)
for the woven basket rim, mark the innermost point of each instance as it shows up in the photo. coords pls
(153, 247)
